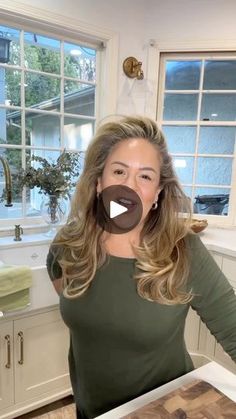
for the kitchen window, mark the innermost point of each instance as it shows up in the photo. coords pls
(48, 102)
(197, 112)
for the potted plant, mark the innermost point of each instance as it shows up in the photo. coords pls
(54, 180)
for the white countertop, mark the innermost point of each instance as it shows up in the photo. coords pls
(220, 240)
(213, 373)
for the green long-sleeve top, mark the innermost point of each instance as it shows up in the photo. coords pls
(123, 345)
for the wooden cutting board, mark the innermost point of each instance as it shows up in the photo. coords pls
(198, 400)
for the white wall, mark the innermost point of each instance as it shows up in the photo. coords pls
(191, 19)
(138, 21)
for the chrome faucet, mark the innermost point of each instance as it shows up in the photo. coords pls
(8, 182)
(18, 232)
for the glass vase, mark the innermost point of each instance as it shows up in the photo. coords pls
(53, 210)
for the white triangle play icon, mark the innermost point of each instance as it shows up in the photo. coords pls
(116, 209)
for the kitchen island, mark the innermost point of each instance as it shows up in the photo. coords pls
(213, 373)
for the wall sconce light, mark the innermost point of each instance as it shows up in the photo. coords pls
(132, 68)
(4, 49)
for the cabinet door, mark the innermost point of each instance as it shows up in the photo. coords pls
(41, 349)
(208, 341)
(229, 269)
(6, 365)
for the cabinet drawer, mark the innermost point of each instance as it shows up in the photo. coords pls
(29, 255)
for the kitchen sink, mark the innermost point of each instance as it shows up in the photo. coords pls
(42, 292)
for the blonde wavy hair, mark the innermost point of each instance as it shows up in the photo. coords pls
(162, 258)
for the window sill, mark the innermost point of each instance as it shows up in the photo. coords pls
(27, 240)
(29, 232)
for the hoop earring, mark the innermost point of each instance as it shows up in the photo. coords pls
(154, 206)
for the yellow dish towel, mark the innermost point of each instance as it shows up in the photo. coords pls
(15, 282)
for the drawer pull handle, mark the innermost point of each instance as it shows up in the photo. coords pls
(8, 339)
(21, 360)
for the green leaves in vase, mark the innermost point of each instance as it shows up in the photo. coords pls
(56, 179)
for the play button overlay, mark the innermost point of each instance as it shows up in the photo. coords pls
(116, 209)
(119, 209)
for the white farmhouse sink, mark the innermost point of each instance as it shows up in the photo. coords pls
(42, 292)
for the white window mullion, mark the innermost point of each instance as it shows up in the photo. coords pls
(161, 94)
(62, 97)
(23, 124)
(198, 129)
(98, 92)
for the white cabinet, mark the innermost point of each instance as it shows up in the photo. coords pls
(229, 268)
(199, 340)
(37, 356)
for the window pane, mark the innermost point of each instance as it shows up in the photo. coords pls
(211, 201)
(188, 191)
(180, 139)
(33, 202)
(13, 156)
(217, 140)
(214, 171)
(33, 197)
(11, 212)
(220, 75)
(13, 127)
(79, 62)
(184, 168)
(180, 107)
(218, 107)
(14, 36)
(42, 92)
(79, 98)
(10, 81)
(182, 75)
(42, 130)
(77, 133)
(50, 155)
(10, 127)
(42, 53)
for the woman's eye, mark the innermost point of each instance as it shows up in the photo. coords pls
(118, 172)
(146, 177)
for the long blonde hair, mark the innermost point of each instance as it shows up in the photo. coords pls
(162, 259)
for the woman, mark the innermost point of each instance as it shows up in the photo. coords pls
(125, 296)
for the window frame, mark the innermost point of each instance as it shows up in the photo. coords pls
(53, 25)
(195, 49)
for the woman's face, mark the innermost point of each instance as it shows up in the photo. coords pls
(134, 163)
